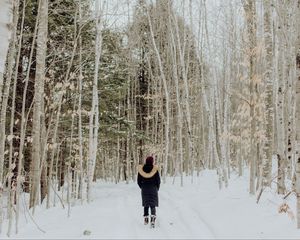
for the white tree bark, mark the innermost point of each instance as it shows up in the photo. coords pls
(94, 113)
(5, 35)
(167, 97)
(23, 126)
(250, 13)
(297, 48)
(80, 78)
(281, 75)
(183, 67)
(38, 99)
(178, 100)
(7, 32)
(268, 148)
(54, 147)
(12, 164)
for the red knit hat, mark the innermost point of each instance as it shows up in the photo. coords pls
(149, 160)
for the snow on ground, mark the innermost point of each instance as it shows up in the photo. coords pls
(197, 210)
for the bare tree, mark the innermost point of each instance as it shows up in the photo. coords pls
(7, 32)
(94, 113)
(5, 35)
(38, 100)
(268, 148)
(298, 112)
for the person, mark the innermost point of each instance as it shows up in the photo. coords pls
(149, 183)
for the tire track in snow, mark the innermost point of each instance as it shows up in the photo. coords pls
(128, 204)
(175, 217)
(170, 206)
(189, 210)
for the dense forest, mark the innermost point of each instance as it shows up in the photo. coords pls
(81, 100)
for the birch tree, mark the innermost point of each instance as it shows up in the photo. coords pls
(297, 48)
(94, 113)
(250, 10)
(166, 92)
(281, 90)
(12, 163)
(4, 93)
(5, 35)
(268, 148)
(6, 21)
(24, 119)
(38, 100)
(80, 78)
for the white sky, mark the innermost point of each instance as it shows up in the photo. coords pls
(119, 12)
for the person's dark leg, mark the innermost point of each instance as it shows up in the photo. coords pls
(153, 216)
(146, 214)
(146, 211)
(153, 210)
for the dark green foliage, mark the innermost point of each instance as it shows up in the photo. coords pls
(113, 82)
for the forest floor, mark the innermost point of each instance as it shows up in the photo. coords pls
(197, 210)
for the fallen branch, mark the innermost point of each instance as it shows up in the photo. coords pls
(289, 193)
(263, 188)
(259, 195)
(61, 201)
(38, 227)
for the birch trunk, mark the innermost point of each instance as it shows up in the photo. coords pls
(166, 92)
(94, 114)
(5, 35)
(268, 147)
(23, 124)
(12, 164)
(38, 99)
(54, 148)
(280, 116)
(80, 78)
(249, 7)
(190, 160)
(6, 28)
(6, 32)
(297, 48)
(178, 102)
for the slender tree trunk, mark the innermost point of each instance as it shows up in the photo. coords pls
(10, 65)
(80, 78)
(298, 112)
(166, 91)
(38, 100)
(54, 149)
(249, 7)
(183, 67)
(178, 101)
(24, 124)
(7, 31)
(280, 119)
(94, 114)
(268, 147)
(5, 35)
(12, 164)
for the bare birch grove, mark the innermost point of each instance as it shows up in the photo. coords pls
(82, 99)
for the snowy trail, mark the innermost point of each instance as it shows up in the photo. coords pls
(189, 220)
(116, 212)
(195, 211)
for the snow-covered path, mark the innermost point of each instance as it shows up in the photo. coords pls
(197, 210)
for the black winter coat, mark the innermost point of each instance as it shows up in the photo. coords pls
(149, 182)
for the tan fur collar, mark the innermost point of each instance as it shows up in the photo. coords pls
(147, 175)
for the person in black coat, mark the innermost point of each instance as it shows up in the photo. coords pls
(149, 183)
